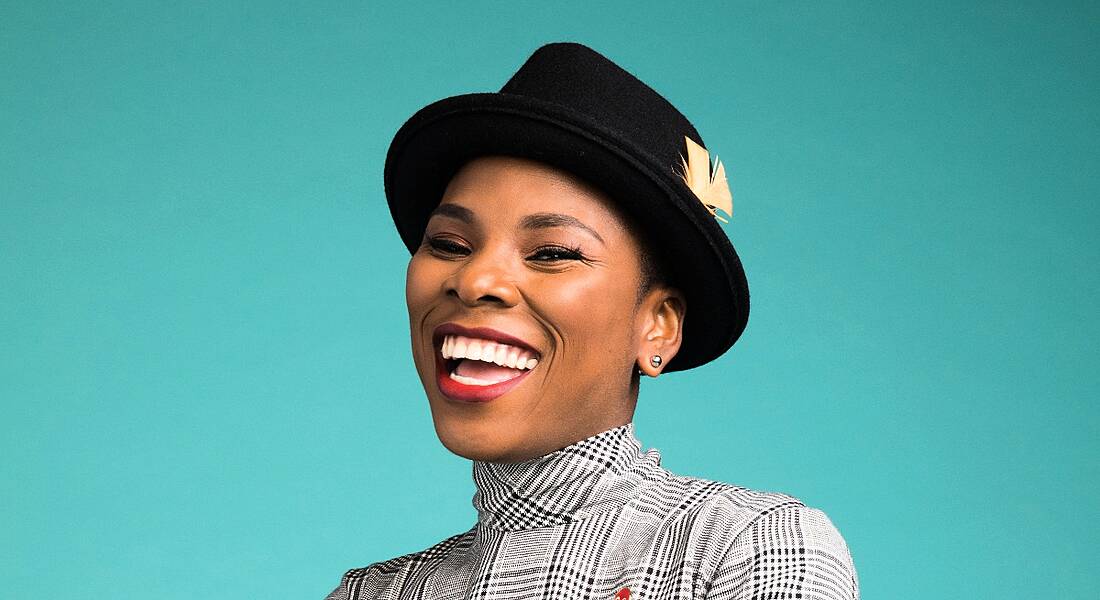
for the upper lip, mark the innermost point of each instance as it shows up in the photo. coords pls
(484, 333)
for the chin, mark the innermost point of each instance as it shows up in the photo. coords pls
(481, 433)
(470, 451)
(473, 441)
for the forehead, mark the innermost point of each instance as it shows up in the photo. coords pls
(504, 188)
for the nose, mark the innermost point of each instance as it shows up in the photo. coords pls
(483, 279)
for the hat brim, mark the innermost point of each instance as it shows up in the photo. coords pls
(435, 142)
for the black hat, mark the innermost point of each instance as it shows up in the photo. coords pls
(570, 107)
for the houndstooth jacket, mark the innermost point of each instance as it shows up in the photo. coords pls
(601, 520)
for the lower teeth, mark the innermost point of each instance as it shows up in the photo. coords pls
(480, 374)
(472, 381)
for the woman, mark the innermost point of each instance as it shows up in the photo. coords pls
(564, 243)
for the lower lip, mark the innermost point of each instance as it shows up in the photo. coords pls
(471, 393)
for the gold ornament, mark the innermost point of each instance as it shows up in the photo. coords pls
(712, 189)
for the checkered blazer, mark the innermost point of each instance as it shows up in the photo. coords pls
(601, 520)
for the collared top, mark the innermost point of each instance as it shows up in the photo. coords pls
(602, 520)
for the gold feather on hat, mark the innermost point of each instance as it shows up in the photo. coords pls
(711, 188)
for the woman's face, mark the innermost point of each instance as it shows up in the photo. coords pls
(524, 310)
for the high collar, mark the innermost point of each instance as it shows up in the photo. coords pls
(599, 473)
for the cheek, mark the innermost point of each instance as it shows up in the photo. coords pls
(421, 281)
(591, 313)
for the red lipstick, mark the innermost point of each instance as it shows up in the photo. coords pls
(471, 393)
(462, 392)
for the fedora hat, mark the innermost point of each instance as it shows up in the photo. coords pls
(572, 108)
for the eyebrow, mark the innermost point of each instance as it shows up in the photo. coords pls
(548, 220)
(532, 221)
(454, 211)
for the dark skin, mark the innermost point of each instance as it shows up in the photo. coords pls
(535, 252)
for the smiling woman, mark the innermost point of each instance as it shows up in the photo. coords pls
(498, 276)
(539, 220)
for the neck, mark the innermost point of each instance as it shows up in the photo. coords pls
(596, 474)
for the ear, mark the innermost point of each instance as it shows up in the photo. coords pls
(660, 324)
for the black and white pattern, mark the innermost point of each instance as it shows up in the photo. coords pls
(598, 516)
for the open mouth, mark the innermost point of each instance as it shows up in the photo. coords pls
(478, 369)
(473, 361)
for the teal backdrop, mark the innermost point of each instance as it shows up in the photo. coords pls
(205, 376)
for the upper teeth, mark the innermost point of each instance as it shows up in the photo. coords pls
(458, 346)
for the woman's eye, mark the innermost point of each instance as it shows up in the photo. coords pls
(447, 247)
(556, 253)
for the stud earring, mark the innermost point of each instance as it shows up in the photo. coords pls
(656, 360)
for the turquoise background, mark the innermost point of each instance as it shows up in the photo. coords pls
(206, 385)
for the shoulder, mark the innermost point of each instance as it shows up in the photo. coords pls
(371, 580)
(729, 509)
(793, 547)
(770, 540)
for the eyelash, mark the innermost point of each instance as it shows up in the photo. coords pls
(562, 252)
(445, 246)
(450, 247)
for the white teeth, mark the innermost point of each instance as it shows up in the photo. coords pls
(470, 380)
(457, 346)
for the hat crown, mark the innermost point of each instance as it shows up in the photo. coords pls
(577, 77)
